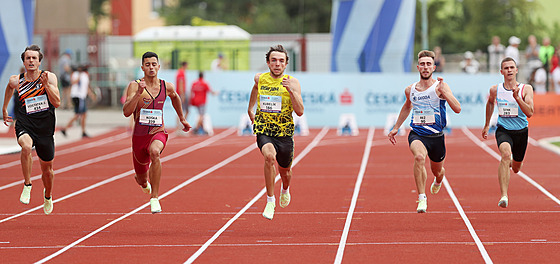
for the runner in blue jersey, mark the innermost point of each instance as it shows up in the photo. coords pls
(427, 99)
(515, 105)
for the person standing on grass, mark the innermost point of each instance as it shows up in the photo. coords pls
(426, 99)
(145, 99)
(37, 97)
(515, 105)
(276, 95)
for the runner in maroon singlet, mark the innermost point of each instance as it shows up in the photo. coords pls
(145, 100)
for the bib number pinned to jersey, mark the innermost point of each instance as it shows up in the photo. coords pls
(151, 117)
(424, 117)
(36, 104)
(508, 109)
(271, 104)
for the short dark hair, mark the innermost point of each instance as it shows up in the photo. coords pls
(33, 47)
(200, 74)
(506, 59)
(149, 54)
(277, 48)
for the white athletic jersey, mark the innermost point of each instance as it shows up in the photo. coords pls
(428, 111)
(510, 115)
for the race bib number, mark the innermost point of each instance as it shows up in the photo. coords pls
(151, 117)
(271, 104)
(424, 117)
(507, 109)
(36, 104)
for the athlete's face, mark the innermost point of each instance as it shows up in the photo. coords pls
(426, 67)
(31, 60)
(509, 69)
(277, 63)
(150, 66)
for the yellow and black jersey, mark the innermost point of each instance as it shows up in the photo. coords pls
(274, 108)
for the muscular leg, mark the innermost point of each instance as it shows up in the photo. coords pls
(155, 168)
(438, 170)
(503, 168)
(26, 144)
(419, 151)
(47, 176)
(269, 154)
(286, 175)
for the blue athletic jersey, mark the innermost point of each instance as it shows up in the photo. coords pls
(429, 114)
(510, 115)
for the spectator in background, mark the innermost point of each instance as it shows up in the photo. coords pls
(65, 72)
(470, 64)
(199, 90)
(80, 91)
(439, 59)
(532, 53)
(181, 82)
(512, 50)
(218, 64)
(555, 81)
(538, 79)
(495, 54)
(546, 52)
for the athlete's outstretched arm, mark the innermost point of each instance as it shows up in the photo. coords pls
(12, 84)
(405, 110)
(294, 88)
(50, 82)
(253, 98)
(489, 110)
(176, 102)
(446, 93)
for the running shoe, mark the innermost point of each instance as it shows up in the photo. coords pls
(154, 204)
(435, 188)
(422, 206)
(25, 194)
(269, 210)
(503, 202)
(148, 188)
(285, 199)
(47, 204)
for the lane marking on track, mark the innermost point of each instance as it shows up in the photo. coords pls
(72, 150)
(303, 213)
(479, 243)
(127, 173)
(494, 154)
(176, 188)
(357, 186)
(305, 151)
(466, 243)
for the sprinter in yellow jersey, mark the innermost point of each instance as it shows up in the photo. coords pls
(276, 95)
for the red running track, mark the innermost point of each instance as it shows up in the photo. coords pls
(353, 201)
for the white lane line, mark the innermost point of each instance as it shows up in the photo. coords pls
(307, 149)
(357, 186)
(130, 172)
(497, 156)
(306, 213)
(73, 149)
(77, 165)
(187, 182)
(467, 243)
(479, 244)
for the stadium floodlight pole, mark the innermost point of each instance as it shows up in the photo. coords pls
(424, 24)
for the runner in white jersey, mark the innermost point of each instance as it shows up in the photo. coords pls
(515, 105)
(426, 98)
